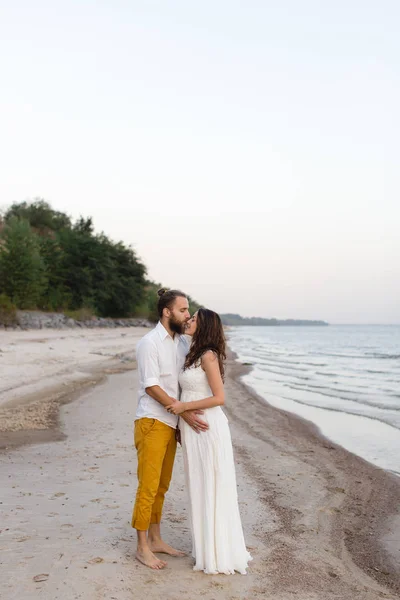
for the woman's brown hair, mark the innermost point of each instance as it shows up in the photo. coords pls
(209, 335)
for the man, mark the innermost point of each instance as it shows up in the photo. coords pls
(160, 356)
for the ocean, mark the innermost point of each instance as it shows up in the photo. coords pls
(345, 379)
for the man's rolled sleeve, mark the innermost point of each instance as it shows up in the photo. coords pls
(148, 365)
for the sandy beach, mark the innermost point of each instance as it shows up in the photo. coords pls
(39, 370)
(321, 523)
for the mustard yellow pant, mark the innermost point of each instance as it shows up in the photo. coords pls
(156, 446)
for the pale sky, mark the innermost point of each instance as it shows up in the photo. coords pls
(249, 151)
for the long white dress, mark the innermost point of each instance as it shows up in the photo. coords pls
(217, 534)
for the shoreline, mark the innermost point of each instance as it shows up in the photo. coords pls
(346, 383)
(370, 495)
(323, 523)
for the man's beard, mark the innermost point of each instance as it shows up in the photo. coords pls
(177, 326)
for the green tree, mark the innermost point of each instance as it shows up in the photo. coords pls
(55, 295)
(22, 271)
(39, 214)
(100, 274)
(49, 262)
(76, 267)
(118, 279)
(8, 311)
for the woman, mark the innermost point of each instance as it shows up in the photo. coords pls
(218, 542)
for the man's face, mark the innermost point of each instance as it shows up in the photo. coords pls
(178, 315)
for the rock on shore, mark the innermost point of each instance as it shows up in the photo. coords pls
(29, 319)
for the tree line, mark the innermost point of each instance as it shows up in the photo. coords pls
(50, 262)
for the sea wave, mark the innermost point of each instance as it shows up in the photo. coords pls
(379, 414)
(352, 371)
(382, 355)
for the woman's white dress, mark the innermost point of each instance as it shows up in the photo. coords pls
(217, 534)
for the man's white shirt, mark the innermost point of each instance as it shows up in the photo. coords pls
(160, 359)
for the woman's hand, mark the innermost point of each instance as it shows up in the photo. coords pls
(176, 408)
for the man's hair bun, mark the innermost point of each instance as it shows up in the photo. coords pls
(166, 299)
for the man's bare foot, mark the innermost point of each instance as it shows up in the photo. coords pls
(163, 548)
(147, 558)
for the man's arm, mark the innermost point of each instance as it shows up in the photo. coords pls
(149, 371)
(156, 392)
(191, 416)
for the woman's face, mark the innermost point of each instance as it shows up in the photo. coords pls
(191, 325)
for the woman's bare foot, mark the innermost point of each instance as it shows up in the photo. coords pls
(164, 548)
(147, 558)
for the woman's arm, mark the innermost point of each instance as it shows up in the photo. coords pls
(210, 365)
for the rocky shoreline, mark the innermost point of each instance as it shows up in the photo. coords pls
(30, 319)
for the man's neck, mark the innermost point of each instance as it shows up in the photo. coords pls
(164, 323)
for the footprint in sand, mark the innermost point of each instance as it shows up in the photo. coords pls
(338, 490)
(96, 560)
(105, 455)
(174, 519)
(41, 577)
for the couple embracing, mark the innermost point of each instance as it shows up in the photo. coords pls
(183, 381)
